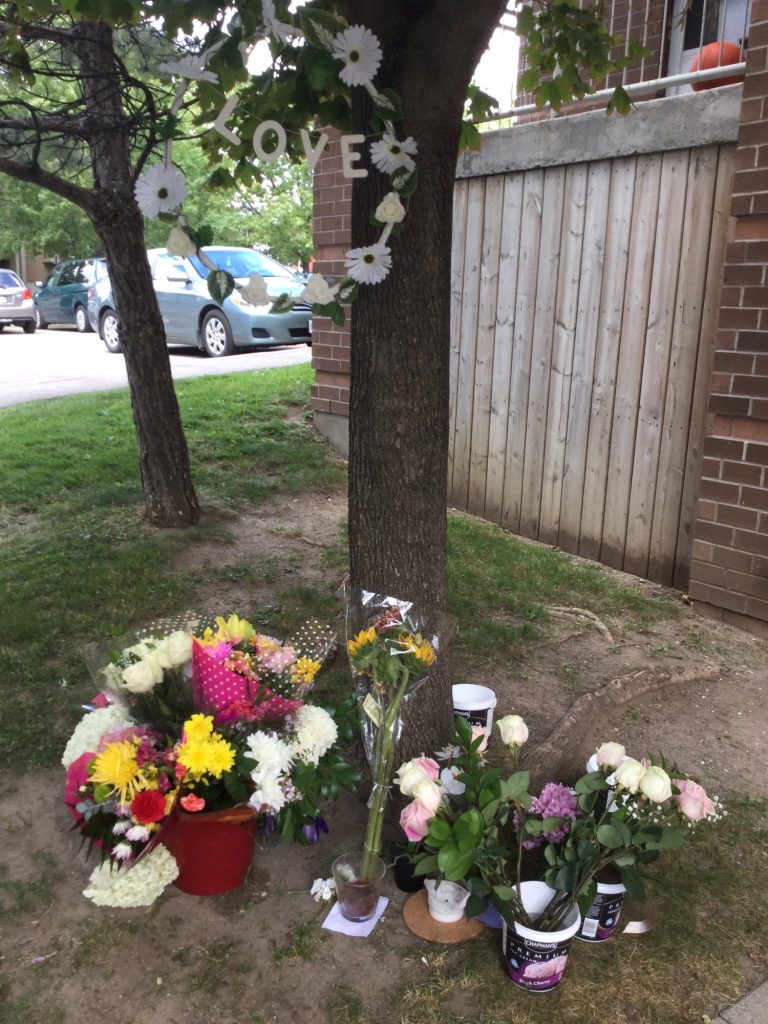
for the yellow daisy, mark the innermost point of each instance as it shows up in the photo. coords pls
(194, 757)
(420, 648)
(221, 756)
(116, 766)
(363, 639)
(198, 728)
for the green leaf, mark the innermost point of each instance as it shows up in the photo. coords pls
(220, 284)
(319, 67)
(550, 854)
(468, 829)
(439, 831)
(405, 182)
(516, 785)
(619, 103)
(463, 731)
(633, 883)
(282, 304)
(587, 896)
(348, 289)
(470, 137)
(609, 837)
(567, 877)
(453, 863)
(388, 105)
(504, 892)
(426, 866)
(625, 860)
(320, 27)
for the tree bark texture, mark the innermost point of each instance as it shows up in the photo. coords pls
(169, 495)
(398, 450)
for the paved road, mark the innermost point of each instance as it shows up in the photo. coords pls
(59, 361)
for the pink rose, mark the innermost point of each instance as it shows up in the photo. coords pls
(480, 730)
(428, 766)
(693, 800)
(414, 820)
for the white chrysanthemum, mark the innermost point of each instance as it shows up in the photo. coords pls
(137, 834)
(389, 154)
(123, 851)
(269, 794)
(369, 265)
(272, 24)
(189, 67)
(120, 827)
(160, 189)
(316, 733)
(359, 48)
(271, 754)
(91, 728)
(137, 886)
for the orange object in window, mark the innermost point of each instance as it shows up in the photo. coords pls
(716, 55)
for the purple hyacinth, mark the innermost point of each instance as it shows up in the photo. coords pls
(555, 801)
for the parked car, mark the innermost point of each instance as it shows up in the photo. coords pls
(192, 317)
(63, 297)
(16, 305)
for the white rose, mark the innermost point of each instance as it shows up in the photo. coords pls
(180, 244)
(390, 210)
(156, 663)
(160, 655)
(656, 785)
(610, 755)
(408, 777)
(629, 774)
(179, 647)
(514, 731)
(139, 677)
(255, 291)
(317, 291)
(427, 793)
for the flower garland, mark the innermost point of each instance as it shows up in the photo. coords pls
(161, 189)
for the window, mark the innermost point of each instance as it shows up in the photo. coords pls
(696, 23)
(75, 272)
(9, 280)
(241, 263)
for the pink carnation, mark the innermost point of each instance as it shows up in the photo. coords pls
(693, 801)
(414, 820)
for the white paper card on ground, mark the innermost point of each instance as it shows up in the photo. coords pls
(336, 922)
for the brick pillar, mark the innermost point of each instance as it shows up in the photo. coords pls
(332, 229)
(729, 571)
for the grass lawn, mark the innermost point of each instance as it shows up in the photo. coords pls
(78, 565)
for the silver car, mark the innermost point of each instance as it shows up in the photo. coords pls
(16, 305)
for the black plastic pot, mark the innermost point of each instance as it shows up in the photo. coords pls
(403, 875)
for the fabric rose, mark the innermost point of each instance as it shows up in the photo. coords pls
(180, 244)
(656, 785)
(255, 291)
(414, 820)
(692, 800)
(317, 291)
(629, 774)
(390, 210)
(427, 793)
(610, 755)
(513, 730)
(139, 677)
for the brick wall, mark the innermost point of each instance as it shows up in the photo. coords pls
(332, 226)
(729, 572)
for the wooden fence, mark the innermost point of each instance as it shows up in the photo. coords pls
(584, 309)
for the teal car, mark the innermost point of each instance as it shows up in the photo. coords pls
(192, 317)
(63, 297)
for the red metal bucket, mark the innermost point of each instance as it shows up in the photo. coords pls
(213, 850)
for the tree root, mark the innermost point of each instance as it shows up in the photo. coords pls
(559, 757)
(582, 613)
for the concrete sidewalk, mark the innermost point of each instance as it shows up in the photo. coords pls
(752, 1009)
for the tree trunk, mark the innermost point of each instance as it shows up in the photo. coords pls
(398, 445)
(169, 495)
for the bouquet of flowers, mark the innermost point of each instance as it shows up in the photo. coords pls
(390, 659)
(472, 824)
(129, 773)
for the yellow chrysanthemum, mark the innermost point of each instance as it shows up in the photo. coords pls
(420, 648)
(194, 757)
(116, 766)
(304, 671)
(221, 756)
(198, 728)
(363, 639)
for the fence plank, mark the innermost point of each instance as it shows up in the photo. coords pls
(484, 355)
(459, 235)
(655, 372)
(568, 285)
(699, 414)
(525, 305)
(465, 374)
(607, 344)
(503, 345)
(681, 374)
(636, 299)
(593, 269)
(543, 330)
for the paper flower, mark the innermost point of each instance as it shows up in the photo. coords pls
(255, 291)
(389, 154)
(317, 291)
(180, 244)
(160, 189)
(189, 67)
(272, 25)
(369, 265)
(359, 48)
(390, 210)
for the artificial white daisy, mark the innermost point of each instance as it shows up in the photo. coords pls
(272, 24)
(389, 154)
(160, 189)
(359, 48)
(369, 265)
(189, 67)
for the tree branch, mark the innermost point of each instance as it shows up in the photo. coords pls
(37, 176)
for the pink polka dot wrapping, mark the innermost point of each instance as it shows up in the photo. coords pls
(214, 686)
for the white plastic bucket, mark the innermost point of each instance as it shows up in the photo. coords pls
(602, 918)
(535, 960)
(475, 703)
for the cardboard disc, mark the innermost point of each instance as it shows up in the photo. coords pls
(418, 920)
